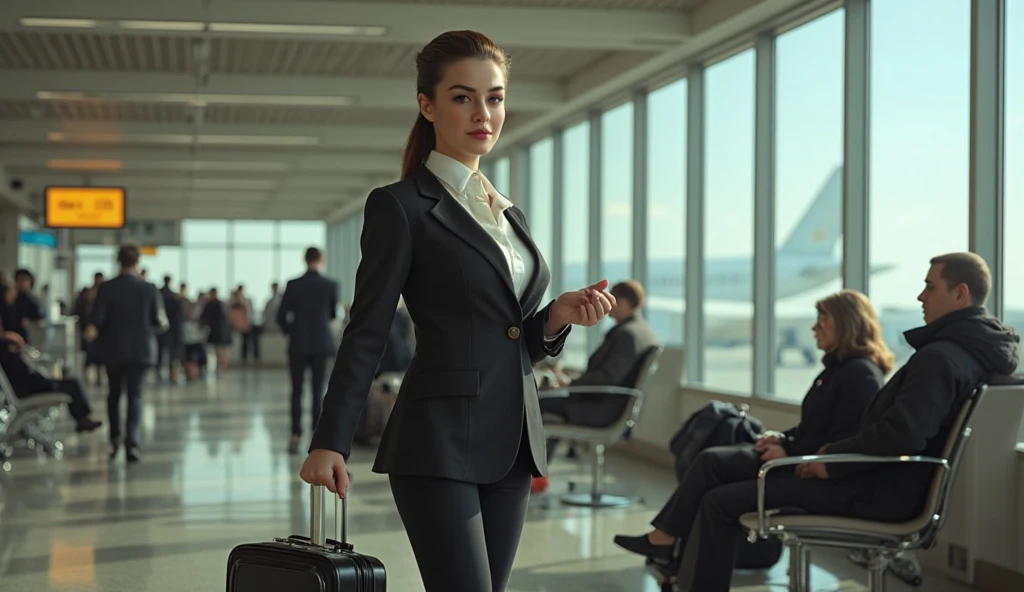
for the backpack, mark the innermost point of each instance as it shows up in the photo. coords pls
(715, 424)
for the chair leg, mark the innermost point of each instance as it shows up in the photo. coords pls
(799, 567)
(876, 572)
(596, 498)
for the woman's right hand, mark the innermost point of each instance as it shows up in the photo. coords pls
(326, 467)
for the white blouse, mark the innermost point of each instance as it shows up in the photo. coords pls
(471, 189)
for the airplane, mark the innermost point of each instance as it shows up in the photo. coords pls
(806, 260)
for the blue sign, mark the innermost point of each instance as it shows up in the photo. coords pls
(38, 237)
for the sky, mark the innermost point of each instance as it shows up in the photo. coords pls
(919, 152)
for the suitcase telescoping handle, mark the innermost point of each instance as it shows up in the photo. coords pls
(317, 530)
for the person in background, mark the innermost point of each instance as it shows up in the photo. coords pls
(214, 319)
(27, 382)
(83, 310)
(170, 341)
(24, 308)
(270, 310)
(251, 333)
(307, 308)
(127, 316)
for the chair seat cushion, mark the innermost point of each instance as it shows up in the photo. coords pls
(831, 526)
(43, 400)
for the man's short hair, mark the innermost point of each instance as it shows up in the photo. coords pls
(969, 269)
(167, 280)
(128, 255)
(631, 290)
(313, 255)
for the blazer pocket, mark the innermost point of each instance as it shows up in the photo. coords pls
(427, 384)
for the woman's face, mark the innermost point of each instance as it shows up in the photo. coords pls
(825, 332)
(468, 111)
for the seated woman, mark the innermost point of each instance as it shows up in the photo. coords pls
(856, 361)
(27, 382)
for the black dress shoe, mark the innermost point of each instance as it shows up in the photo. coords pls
(114, 448)
(88, 425)
(134, 454)
(641, 545)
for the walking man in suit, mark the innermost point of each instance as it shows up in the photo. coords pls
(307, 308)
(127, 316)
(615, 363)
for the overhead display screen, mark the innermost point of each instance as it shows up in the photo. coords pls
(85, 207)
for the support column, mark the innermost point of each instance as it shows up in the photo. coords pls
(693, 265)
(764, 218)
(856, 148)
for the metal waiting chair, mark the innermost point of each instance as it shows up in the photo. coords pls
(883, 541)
(28, 422)
(599, 438)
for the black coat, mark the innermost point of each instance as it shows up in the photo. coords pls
(309, 304)
(914, 412)
(834, 406)
(129, 314)
(469, 391)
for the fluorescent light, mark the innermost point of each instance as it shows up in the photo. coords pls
(198, 26)
(84, 165)
(236, 184)
(206, 165)
(274, 29)
(199, 99)
(162, 25)
(226, 139)
(60, 22)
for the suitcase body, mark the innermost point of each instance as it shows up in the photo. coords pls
(300, 564)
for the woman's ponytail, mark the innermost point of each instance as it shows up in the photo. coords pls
(418, 146)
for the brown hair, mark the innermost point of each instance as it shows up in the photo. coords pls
(430, 64)
(631, 290)
(969, 269)
(858, 332)
(128, 255)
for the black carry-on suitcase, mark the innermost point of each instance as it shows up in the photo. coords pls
(301, 564)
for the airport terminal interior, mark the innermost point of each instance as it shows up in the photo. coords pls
(739, 159)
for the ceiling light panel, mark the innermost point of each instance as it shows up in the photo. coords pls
(216, 139)
(84, 165)
(199, 99)
(218, 27)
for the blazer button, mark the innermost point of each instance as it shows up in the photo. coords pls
(513, 332)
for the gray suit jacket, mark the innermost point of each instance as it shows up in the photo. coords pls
(615, 363)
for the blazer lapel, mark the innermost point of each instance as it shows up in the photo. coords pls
(455, 217)
(533, 291)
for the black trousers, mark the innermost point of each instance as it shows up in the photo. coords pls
(37, 383)
(297, 364)
(125, 377)
(465, 535)
(251, 339)
(720, 487)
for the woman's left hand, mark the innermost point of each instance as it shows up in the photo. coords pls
(772, 452)
(584, 307)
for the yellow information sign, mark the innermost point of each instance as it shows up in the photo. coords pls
(85, 207)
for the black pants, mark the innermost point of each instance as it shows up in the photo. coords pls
(37, 383)
(251, 339)
(720, 487)
(127, 377)
(465, 535)
(297, 364)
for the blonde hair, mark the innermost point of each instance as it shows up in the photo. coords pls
(858, 332)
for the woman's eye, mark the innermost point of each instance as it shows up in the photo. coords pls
(497, 99)
(461, 99)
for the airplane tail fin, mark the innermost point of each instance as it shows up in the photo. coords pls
(820, 228)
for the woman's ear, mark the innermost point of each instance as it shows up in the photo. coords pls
(426, 107)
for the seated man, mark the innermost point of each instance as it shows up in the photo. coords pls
(27, 382)
(615, 363)
(959, 348)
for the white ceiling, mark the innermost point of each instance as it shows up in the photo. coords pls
(116, 102)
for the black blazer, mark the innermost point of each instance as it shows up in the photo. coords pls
(309, 304)
(834, 406)
(128, 313)
(469, 391)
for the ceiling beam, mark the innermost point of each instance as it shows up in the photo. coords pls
(339, 137)
(412, 23)
(364, 92)
(319, 161)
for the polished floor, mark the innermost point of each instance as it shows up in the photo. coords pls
(215, 473)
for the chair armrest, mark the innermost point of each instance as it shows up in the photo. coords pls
(762, 473)
(589, 390)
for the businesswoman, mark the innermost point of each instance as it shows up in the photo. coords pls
(856, 361)
(465, 435)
